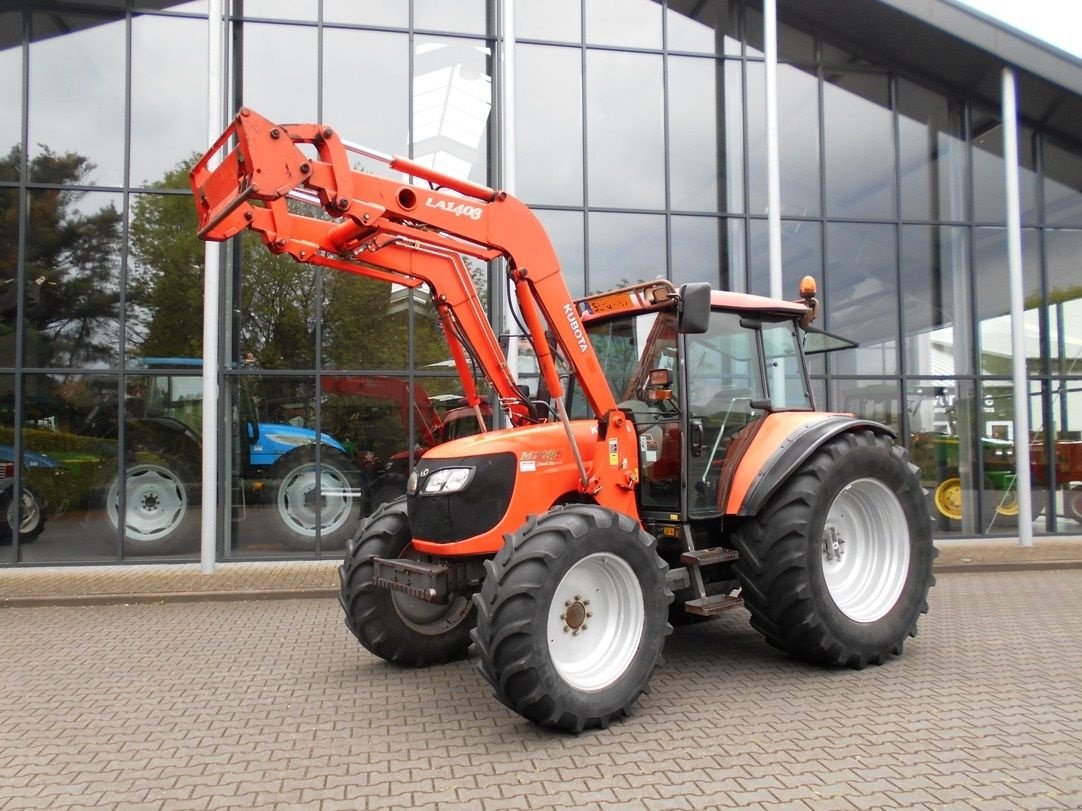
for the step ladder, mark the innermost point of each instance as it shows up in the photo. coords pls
(706, 605)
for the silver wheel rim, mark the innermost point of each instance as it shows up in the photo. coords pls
(155, 503)
(302, 512)
(595, 622)
(865, 549)
(30, 513)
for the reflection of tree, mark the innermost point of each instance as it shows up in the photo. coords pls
(71, 264)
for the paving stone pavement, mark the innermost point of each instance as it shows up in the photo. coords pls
(272, 705)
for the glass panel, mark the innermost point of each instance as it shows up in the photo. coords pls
(280, 71)
(11, 93)
(371, 12)
(861, 296)
(989, 196)
(165, 288)
(624, 126)
(878, 400)
(567, 233)
(706, 171)
(1062, 250)
(348, 54)
(166, 79)
(77, 94)
(283, 499)
(992, 287)
(943, 445)
(1062, 186)
(14, 510)
(9, 269)
(724, 378)
(460, 16)
(698, 250)
(710, 27)
(931, 155)
(275, 311)
(793, 45)
(69, 463)
(858, 137)
(801, 255)
(192, 6)
(281, 9)
(785, 374)
(624, 249)
(72, 275)
(366, 324)
(452, 98)
(798, 140)
(631, 23)
(554, 19)
(936, 298)
(548, 124)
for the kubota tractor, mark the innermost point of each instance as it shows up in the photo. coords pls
(682, 470)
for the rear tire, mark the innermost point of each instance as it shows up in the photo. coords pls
(836, 568)
(160, 516)
(31, 518)
(1072, 503)
(300, 510)
(394, 626)
(571, 618)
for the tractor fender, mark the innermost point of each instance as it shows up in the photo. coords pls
(781, 445)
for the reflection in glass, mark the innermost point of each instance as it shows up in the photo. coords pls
(165, 79)
(382, 122)
(165, 275)
(798, 140)
(699, 250)
(276, 318)
(624, 126)
(11, 90)
(861, 295)
(1062, 186)
(299, 487)
(9, 263)
(554, 19)
(548, 125)
(710, 27)
(452, 99)
(280, 9)
(706, 167)
(992, 287)
(630, 23)
(282, 89)
(566, 232)
(936, 297)
(989, 195)
(931, 155)
(1062, 251)
(459, 16)
(72, 272)
(624, 249)
(371, 12)
(77, 93)
(858, 145)
(801, 255)
(793, 45)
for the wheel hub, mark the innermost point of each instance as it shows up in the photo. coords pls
(833, 545)
(575, 615)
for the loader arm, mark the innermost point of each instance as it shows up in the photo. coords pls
(387, 229)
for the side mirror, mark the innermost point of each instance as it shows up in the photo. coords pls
(693, 317)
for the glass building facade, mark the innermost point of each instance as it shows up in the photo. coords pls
(640, 141)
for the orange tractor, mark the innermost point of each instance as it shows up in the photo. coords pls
(671, 466)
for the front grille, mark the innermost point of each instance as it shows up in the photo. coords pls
(472, 511)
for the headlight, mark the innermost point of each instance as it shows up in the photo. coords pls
(447, 480)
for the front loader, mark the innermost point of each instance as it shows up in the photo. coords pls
(679, 469)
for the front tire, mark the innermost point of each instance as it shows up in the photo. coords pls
(836, 568)
(31, 518)
(394, 626)
(572, 617)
